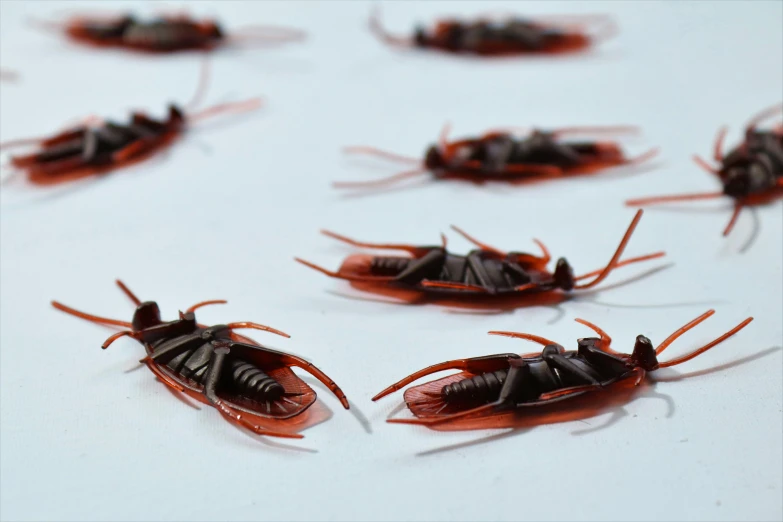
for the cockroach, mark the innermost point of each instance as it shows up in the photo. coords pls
(484, 272)
(751, 173)
(245, 381)
(165, 34)
(509, 382)
(489, 36)
(97, 146)
(500, 155)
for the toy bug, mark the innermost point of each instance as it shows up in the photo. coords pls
(499, 155)
(166, 34)
(98, 146)
(751, 174)
(246, 382)
(509, 382)
(488, 37)
(484, 272)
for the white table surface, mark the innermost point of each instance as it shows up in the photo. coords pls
(225, 211)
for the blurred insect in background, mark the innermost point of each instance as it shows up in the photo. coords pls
(491, 36)
(751, 173)
(499, 155)
(249, 384)
(484, 273)
(97, 146)
(7, 75)
(508, 382)
(165, 34)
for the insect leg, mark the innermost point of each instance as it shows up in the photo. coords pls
(369, 279)
(90, 317)
(135, 148)
(361, 149)
(557, 360)
(256, 326)
(411, 249)
(488, 363)
(763, 115)
(210, 392)
(526, 336)
(293, 360)
(453, 286)
(717, 153)
(737, 209)
(606, 340)
(379, 31)
(476, 242)
(205, 303)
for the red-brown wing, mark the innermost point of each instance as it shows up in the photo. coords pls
(298, 395)
(425, 400)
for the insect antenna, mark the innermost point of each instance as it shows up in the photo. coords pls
(613, 263)
(377, 29)
(673, 337)
(695, 353)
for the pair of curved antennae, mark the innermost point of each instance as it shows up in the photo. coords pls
(132, 333)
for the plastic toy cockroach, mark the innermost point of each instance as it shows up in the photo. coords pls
(751, 174)
(499, 155)
(246, 382)
(166, 34)
(98, 146)
(492, 37)
(484, 272)
(509, 382)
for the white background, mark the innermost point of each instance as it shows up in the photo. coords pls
(222, 215)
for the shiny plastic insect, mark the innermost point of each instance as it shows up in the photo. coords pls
(484, 272)
(165, 34)
(98, 146)
(507, 382)
(492, 36)
(249, 384)
(751, 173)
(500, 155)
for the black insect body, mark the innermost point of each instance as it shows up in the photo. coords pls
(165, 34)
(108, 144)
(509, 381)
(487, 36)
(502, 155)
(243, 380)
(485, 271)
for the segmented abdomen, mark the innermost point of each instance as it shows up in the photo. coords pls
(250, 381)
(388, 266)
(480, 388)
